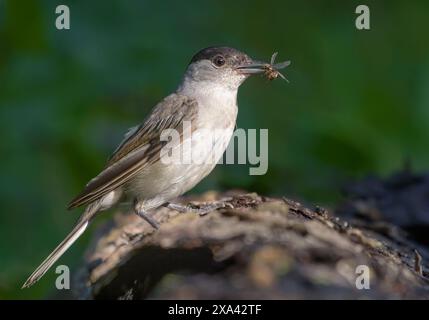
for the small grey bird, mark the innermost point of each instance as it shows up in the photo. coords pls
(207, 99)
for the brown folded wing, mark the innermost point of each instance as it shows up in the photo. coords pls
(140, 148)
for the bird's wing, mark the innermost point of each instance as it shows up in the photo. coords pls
(140, 148)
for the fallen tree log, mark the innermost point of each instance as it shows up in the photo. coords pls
(256, 248)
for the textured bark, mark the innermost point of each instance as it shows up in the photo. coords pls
(261, 247)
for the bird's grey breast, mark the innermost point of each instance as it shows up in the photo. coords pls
(211, 131)
(214, 126)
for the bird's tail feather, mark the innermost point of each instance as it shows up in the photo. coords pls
(62, 247)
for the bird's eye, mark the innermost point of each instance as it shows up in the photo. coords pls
(219, 61)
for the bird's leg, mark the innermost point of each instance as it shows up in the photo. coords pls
(142, 214)
(148, 219)
(201, 209)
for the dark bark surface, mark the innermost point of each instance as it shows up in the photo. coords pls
(267, 248)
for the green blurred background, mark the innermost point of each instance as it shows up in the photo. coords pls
(357, 102)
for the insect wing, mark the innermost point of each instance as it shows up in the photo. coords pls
(273, 58)
(281, 65)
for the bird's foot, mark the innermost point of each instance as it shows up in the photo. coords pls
(201, 209)
(147, 218)
(141, 212)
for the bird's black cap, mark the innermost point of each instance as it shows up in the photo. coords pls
(227, 52)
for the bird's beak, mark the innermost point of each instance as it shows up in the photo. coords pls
(271, 70)
(254, 67)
